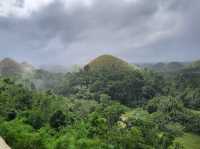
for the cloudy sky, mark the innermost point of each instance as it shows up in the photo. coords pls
(75, 31)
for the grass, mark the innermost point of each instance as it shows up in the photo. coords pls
(110, 63)
(189, 141)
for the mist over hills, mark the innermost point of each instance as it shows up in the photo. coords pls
(60, 68)
(9, 66)
(51, 76)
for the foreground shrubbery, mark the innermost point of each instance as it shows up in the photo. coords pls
(49, 121)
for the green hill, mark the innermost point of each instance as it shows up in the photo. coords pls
(109, 63)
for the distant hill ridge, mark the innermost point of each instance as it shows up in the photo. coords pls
(164, 67)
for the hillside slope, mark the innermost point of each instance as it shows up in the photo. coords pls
(109, 63)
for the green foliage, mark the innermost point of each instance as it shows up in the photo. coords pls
(129, 139)
(11, 115)
(113, 112)
(191, 98)
(125, 87)
(164, 104)
(20, 136)
(175, 129)
(13, 97)
(57, 120)
(98, 125)
(34, 119)
(189, 141)
(168, 111)
(108, 105)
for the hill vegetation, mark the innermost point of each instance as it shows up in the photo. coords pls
(165, 67)
(189, 141)
(106, 105)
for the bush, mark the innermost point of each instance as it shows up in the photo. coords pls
(11, 115)
(57, 120)
(20, 136)
(34, 119)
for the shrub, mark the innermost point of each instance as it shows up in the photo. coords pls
(57, 120)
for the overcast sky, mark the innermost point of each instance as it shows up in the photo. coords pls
(75, 31)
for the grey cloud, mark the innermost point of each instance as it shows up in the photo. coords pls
(19, 3)
(143, 31)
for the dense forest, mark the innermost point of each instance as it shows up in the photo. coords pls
(107, 104)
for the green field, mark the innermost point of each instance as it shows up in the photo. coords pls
(190, 141)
